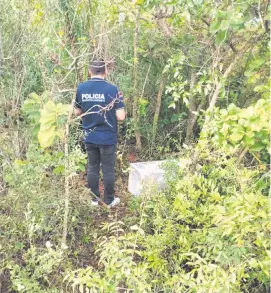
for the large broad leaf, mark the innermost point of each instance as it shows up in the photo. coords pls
(47, 125)
(48, 113)
(50, 106)
(60, 133)
(47, 118)
(46, 137)
(62, 109)
(50, 118)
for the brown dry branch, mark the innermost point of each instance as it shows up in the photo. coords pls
(101, 110)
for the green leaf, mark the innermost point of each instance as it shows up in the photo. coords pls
(249, 140)
(176, 117)
(233, 117)
(34, 97)
(48, 113)
(261, 88)
(46, 125)
(50, 106)
(46, 137)
(237, 136)
(232, 109)
(59, 170)
(247, 113)
(45, 96)
(151, 44)
(36, 130)
(255, 126)
(244, 122)
(172, 105)
(214, 27)
(236, 27)
(253, 78)
(221, 37)
(197, 2)
(250, 134)
(223, 112)
(186, 101)
(257, 147)
(257, 63)
(62, 109)
(139, 2)
(60, 133)
(19, 245)
(81, 167)
(224, 25)
(20, 162)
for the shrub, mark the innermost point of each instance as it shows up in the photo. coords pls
(208, 232)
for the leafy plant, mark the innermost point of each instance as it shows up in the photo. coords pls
(207, 232)
(37, 269)
(241, 128)
(51, 123)
(120, 271)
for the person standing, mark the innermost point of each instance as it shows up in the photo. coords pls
(101, 105)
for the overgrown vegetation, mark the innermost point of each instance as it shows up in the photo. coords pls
(195, 77)
(208, 232)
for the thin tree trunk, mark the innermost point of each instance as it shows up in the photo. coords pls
(135, 101)
(192, 118)
(145, 81)
(158, 106)
(71, 37)
(67, 188)
(225, 76)
(91, 20)
(164, 27)
(1, 53)
(219, 85)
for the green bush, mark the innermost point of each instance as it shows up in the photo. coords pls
(246, 129)
(208, 232)
(36, 273)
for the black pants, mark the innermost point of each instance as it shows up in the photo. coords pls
(104, 155)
